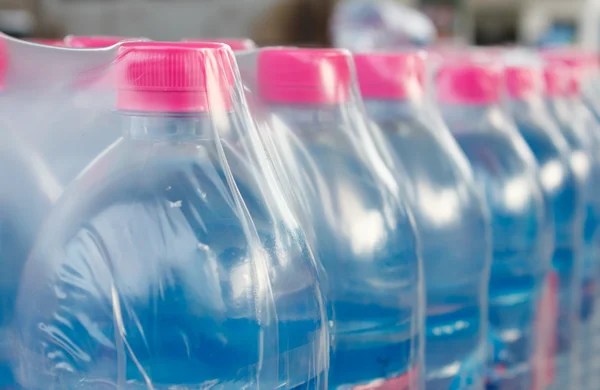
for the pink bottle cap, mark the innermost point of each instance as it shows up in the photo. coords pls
(304, 76)
(522, 82)
(95, 42)
(174, 77)
(558, 80)
(240, 44)
(390, 75)
(468, 83)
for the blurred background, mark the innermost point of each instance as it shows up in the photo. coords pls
(304, 22)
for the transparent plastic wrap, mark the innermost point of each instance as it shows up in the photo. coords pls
(563, 186)
(468, 89)
(452, 217)
(239, 44)
(582, 133)
(307, 106)
(172, 260)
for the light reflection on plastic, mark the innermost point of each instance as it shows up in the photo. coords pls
(364, 236)
(440, 206)
(516, 193)
(552, 175)
(580, 163)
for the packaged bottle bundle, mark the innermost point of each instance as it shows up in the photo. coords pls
(172, 259)
(468, 90)
(451, 215)
(306, 104)
(563, 188)
(582, 133)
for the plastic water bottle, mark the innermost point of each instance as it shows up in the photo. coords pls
(451, 216)
(364, 237)
(563, 189)
(469, 97)
(579, 128)
(166, 265)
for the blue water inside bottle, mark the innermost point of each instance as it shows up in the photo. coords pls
(563, 187)
(366, 242)
(25, 199)
(453, 225)
(148, 274)
(590, 356)
(576, 126)
(507, 173)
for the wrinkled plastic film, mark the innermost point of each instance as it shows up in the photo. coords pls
(307, 108)
(165, 257)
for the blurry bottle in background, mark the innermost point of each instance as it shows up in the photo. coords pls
(452, 217)
(580, 129)
(564, 192)
(468, 92)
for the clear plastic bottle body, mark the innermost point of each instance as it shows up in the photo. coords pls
(146, 275)
(576, 125)
(366, 243)
(453, 226)
(507, 173)
(563, 187)
(590, 351)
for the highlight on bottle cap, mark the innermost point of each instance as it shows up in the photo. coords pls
(391, 75)
(95, 42)
(523, 82)
(469, 83)
(239, 44)
(174, 77)
(3, 62)
(304, 76)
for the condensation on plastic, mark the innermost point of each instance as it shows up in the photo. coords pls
(367, 25)
(564, 188)
(565, 84)
(452, 217)
(468, 89)
(164, 257)
(311, 119)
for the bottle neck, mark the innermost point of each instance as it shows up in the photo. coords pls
(525, 107)
(163, 126)
(470, 118)
(307, 120)
(385, 111)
